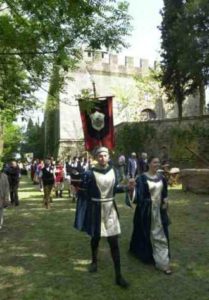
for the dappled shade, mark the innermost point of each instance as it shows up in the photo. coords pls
(44, 257)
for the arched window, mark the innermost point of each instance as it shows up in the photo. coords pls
(148, 114)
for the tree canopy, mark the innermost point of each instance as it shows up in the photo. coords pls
(12, 139)
(37, 37)
(33, 140)
(185, 54)
(36, 34)
(173, 79)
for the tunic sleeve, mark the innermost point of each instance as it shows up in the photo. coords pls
(142, 192)
(86, 179)
(119, 188)
(85, 185)
(138, 191)
(82, 201)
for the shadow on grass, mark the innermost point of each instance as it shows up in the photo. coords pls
(44, 257)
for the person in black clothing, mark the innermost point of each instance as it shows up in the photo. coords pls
(74, 170)
(13, 174)
(47, 176)
(143, 163)
(77, 170)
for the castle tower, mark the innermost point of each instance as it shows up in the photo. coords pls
(110, 73)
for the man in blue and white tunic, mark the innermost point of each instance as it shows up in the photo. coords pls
(96, 211)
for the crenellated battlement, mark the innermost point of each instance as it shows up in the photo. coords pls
(103, 62)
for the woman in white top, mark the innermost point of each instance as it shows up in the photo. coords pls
(150, 239)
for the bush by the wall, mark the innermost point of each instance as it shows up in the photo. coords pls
(167, 140)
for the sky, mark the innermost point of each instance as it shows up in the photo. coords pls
(145, 39)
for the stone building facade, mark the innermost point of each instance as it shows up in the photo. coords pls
(112, 75)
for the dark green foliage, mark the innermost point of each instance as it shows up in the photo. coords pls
(185, 55)
(38, 36)
(196, 55)
(16, 85)
(51, 118)
(194, 137)
(33, 140)
(132, 137)
(12, 139)
(35, 33)
(173, 79)
(140, 137)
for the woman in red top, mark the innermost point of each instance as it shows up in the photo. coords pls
(59, 179)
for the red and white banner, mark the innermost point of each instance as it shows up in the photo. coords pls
(97, 122)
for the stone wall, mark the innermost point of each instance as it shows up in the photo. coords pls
(106, 63)
(108, 72)
(71, 148)
(112, 75)
(169, 139)
(174, 122)
(195, 180)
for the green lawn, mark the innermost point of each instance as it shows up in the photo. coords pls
(43, 257)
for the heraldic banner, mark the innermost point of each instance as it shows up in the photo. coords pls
(97, 122)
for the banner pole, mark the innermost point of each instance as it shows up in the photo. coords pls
(94, 88)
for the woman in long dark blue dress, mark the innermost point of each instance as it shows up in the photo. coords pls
(150, 239)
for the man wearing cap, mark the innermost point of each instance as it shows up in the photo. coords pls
(97, 212)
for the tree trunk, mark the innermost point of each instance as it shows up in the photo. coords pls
(51, 116)
(180, 109)
(179, 93)
(202, 99)
(1, 138)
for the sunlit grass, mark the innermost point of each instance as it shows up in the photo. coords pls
(42, 257)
